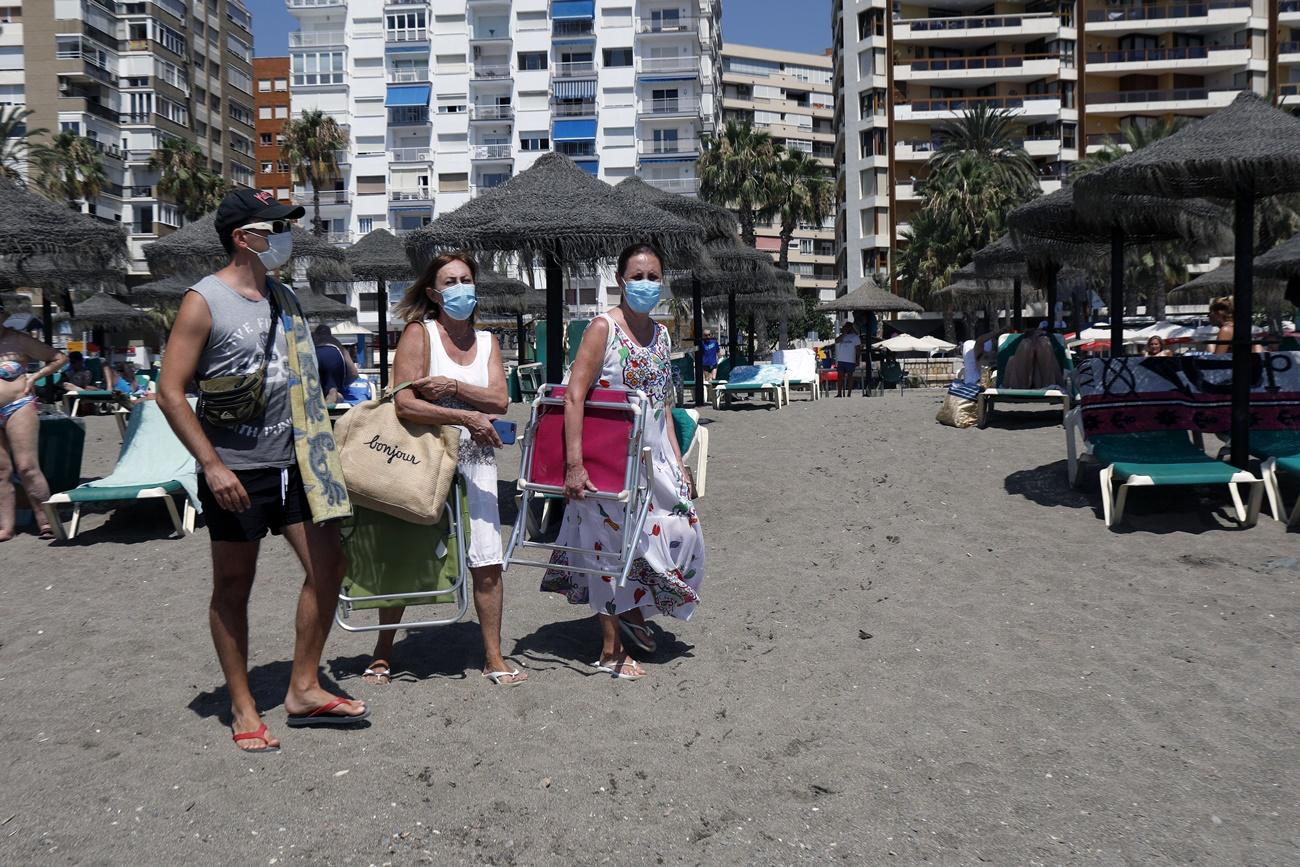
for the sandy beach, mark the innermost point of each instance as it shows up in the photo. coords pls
(916, 645)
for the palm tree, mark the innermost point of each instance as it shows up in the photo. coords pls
(69, 169)
(184, 177)
(804, 195)
(1131, 138)
(14, 140)
(736, 170)
(990, 135)
(311, 145)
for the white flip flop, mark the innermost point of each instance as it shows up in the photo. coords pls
(617, 670)
(498, 677)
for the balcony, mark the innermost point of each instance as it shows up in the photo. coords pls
(489, 35)
(316, 39)
(583, 29)
(1289, 11)
(668, 24)
(491, 112)
(1210, 15)
(407, 76)
(411, 155)
(1286, 48)
(573, 109)
(673, 107)
(659, 65)
(408, 116)
(668, 147)
(414, 194)
(315, 4)
(1034, 105)
(1138, 101)
(498, 72)
(1198, 57)
(976, 70)
(490, 153)
(681, 186)
(327, 197)
(574, 69)
(418, 34)
(1290, 94)
(1011, 28)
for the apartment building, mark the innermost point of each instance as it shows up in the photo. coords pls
(442, 99)
(13, 91)
(1286, 70)
(1074, 73)
(271, 101)
(129, 76)
(789, 95)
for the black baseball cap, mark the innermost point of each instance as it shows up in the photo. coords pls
(244, 206)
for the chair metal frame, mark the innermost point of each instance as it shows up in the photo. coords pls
(634, 497)
(346, 603)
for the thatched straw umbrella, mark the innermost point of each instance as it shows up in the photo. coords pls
(717, 224)
(557, 210)
(380, 257)
(1280, 263)
(57, 278)
(731, 269)
(1132, 219)
(1204, 288)
(34, 226)
(318, 307)
(195, 249)
(1240, 153)
(103, 312)
(870, 298)
(499, 295)
(166, 292)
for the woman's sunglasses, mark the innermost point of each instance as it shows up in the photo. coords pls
(274, 227)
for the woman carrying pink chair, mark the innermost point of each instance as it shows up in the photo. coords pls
(625, 348)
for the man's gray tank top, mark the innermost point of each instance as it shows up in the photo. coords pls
(235, 346)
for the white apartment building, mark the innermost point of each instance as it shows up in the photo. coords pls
(444, 98)
(1074, 72)
(789, 95)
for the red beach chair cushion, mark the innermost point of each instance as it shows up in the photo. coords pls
(605, 437)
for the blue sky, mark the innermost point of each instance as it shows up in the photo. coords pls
(767, 23)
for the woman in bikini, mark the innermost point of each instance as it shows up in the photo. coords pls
(19, 424)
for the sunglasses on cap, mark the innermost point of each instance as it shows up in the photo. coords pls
(274, 227)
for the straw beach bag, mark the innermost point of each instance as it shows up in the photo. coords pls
(398, 467)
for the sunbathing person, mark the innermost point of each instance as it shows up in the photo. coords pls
(19, 425)
(1034, 364)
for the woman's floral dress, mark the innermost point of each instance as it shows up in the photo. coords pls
(669, 565)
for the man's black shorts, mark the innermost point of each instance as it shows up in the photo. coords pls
(277, 499)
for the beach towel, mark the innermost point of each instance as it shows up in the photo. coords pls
(313, 437)
(800, 364)
(152, 455)
(757, 374)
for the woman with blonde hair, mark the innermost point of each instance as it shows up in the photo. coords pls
(464, 386)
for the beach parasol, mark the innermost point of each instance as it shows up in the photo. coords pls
(321, 308)
(1240, 153)
(1131, 220)
(380, 257)
(502, 295)
(556, 210)
(195, 249)
(56, 277)
(102, 311)
(167, 291)
(873, 299)
(31, 225)
(1280, 263)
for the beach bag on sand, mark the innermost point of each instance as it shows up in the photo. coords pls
(958, 408)
(401, 468)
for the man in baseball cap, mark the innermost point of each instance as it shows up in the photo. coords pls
(243, 206)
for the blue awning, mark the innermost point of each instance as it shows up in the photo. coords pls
(562, 10)
(590, 166)
(573, 130)
(575, 89)
(408, 95)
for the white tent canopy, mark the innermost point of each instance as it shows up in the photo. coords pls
(908, 343)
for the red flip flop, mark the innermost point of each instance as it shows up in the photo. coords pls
(259, 735)
(321, 716)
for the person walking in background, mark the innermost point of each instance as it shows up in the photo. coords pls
(466, 387)
(337, 369)
(20, 426)
(255, 474)
(625, 348)
(848, 352)
(709, 347)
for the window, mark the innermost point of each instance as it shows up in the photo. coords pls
(264, 85)
(239, 79)
(532, 60)
(282, 166)
(264, 139)
(143, 223)
(241, 114)
(169, 215)
(239, 48)
(618, 57)
(534, 141)
(267, 167)
(405, 26)
(532, 20)
(366, 225)
(282, 84)
(281, 112)
(264, 112)
(241, 144)
(453, 182)
(282, 193)
(317, 67)
(175, 112)
(451, 108)
(368, 185)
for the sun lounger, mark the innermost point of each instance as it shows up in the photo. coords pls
(693, 439)
(1155, 458)
(530, 380)
(998, 394)
(800, 370)
(1279, 450)
(765, 380)
(153, 464)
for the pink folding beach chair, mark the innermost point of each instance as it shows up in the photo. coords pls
(616, 459)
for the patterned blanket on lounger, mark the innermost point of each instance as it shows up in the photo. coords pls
(1186, 392)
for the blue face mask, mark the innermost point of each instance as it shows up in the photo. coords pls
(642, 295)
(459, 301)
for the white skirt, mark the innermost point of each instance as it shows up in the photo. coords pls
(479, 470)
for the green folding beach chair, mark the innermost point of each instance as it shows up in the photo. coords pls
(153, 464)
(1278, 451)
(393, 563)
(1052, 395)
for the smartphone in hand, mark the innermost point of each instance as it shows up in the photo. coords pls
(505, 430)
